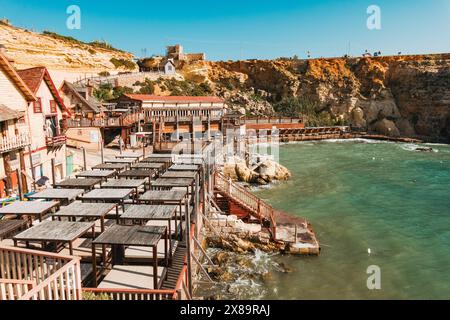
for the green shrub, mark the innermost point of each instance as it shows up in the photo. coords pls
(127, 64)
(94, 296)
(306, 108)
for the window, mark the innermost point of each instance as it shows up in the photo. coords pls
(37, 106)
(53, 106)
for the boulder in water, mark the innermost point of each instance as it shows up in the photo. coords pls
(424, 149)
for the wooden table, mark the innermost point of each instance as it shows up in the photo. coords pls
(105, 195)
(168, 183)
(99, 174)
(8, 227)
(163, 196)
(157, 166)
(127, 162)
(167, 161)
(87, 211)
(130, 155)
(179, 174)
(30, 208)
(137, 174)
(65, 196)
(111, 166)
(146, 213)
(184, 167)
(167, 197)
(120, 236)
(55, 232)
(125, 184)
(86, 184)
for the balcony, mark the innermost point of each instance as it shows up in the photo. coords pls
(56, 141)
(37, 275)
(18, 141)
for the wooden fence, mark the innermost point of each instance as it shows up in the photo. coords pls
(36, 275)
(246, 199)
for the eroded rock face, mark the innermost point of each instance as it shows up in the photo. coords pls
(413, 92)
(387, 128)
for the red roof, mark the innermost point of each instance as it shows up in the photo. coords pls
(182, 99)
(33, 78)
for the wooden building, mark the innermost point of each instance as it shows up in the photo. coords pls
(14, 129)
(171, 117)
(80, 100)
(45, 118)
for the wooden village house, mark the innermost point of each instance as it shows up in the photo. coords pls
(32, 137)
(15, 138)
(172, 117)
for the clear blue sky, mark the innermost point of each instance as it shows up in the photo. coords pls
(234, 29)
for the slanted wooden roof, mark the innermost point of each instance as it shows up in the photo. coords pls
(90, 103)
(33, 78)
(6, 66)
(9, 114)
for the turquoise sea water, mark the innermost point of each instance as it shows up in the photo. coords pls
(360, 195)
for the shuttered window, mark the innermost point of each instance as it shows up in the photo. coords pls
(37, 106)
(53, 106)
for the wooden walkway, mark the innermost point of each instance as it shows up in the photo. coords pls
(174, 271)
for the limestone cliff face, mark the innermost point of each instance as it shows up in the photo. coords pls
(30, 49)
(401, 95)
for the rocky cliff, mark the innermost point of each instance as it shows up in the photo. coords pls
(399, 95)
(29, 49)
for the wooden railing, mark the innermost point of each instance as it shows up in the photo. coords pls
(36, 275)
(9, 143)
(11, 289)
(275, 120)
(174, 119)
(255, 205)
(56, 141)
(124, 120)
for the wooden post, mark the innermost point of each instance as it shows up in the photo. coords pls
(19, 181)
(296, 234)
(102, 151)
(188, 247)
(143, 147)
(32, 168)
(53, 172)
(84, 160)
(196, 203)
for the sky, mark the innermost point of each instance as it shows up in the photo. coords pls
(246, 29)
